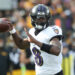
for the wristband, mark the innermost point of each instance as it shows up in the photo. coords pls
(46, 47)
(12, 31)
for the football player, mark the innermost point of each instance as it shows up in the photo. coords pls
(44, 40)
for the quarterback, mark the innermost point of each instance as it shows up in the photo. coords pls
(44, 40)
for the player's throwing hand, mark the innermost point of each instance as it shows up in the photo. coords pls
(30, 37)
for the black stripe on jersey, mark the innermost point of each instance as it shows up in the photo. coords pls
(60, 37)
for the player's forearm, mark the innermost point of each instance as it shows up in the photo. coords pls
(20, 42)
(51, 49)
(38, 43)
(55, 50)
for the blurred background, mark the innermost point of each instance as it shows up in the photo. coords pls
(14, 61)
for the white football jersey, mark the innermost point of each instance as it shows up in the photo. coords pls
(46, 64)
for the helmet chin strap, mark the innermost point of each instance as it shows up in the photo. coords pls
(40, 27)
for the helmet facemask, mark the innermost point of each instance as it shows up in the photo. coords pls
(40, 22)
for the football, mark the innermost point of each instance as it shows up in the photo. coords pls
(4, 25)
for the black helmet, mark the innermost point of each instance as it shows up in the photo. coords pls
(40, 16)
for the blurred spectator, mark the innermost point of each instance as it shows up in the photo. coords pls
(65, 49)
(68, 37)
(14, 58)
(27, 63)
(72, 44)
(30, 61)
(1, 14)
(46, 2)
(66, 60)
(28, 5)
(22, 62)
(4, 57)
(21, 5)
(73, 14)
(72, 54)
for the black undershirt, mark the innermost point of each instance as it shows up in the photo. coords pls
(37, 31)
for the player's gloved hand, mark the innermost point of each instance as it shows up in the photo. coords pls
(12, 30)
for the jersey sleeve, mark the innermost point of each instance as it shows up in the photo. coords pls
(56, 32)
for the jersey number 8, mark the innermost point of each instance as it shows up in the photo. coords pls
(38, 58)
